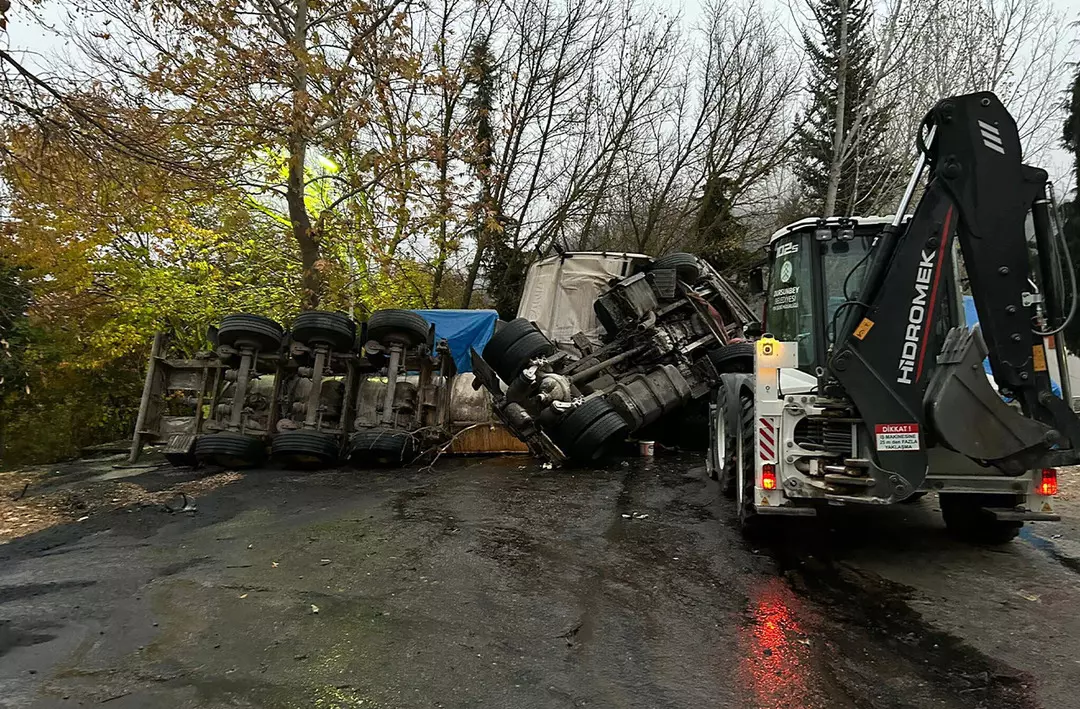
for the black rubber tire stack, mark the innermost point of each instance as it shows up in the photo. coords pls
(397, 327)
(513, 346)
(305, 449)
(738, 357)
(245, 329)
(588, 432)
(381, 448)
(686, 265)
(320, 327)
(965, 519)
(230, 450)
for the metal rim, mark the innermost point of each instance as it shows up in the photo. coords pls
(719, 452)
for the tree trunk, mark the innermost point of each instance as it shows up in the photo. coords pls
(474, 268)
(837, 162)
(444, 203)
(306, 237)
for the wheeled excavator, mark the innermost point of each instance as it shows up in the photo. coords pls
(871, 384)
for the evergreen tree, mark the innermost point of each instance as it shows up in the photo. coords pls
(481, 73)
(1071, 208)
(722, 237)
(865, 166)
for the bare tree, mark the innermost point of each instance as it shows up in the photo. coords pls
(576, 82)
(860, 47)
(1019, 49)
(725, 126)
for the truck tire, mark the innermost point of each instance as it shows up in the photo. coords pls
(305, 450)
(965, 519)
(686, 265)
(513, 346)
(230, 450)
(588, 432)
(738, 357)
(381, 448)
(749, 520)
(726, 426)
(245, 329)
(320, 327)
(405, 327)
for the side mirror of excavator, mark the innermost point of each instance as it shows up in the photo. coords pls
(756, 281)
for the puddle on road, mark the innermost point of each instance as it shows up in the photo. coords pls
(849, 613)
(775, 662)
(1048, 547)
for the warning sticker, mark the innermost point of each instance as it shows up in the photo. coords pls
(1039, 357)
(863, 329)
(897, 436)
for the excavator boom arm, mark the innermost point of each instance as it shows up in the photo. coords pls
(899, 360)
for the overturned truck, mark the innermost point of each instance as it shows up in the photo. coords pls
(608, 345)
(377, 393)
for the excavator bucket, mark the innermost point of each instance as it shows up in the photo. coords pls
(970, 417)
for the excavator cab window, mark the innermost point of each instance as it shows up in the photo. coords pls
(814, 270)
(790, 302)
(843, 265)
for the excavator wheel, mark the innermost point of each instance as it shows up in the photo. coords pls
(966, 519)
(726, 427)
(749, 520)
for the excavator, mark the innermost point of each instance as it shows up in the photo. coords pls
(873, 385)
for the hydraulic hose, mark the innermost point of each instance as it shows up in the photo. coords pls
(1065, 263)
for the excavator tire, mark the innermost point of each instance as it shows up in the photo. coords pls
(966, 519)
(750, 522)
(726, 427)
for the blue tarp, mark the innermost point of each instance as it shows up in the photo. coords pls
(972, 318)
(463, 330)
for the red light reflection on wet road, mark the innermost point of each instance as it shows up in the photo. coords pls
(775, 653)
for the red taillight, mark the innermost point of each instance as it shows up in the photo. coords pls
(768, 476)
(1048, 484)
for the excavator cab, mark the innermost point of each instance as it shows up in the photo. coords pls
(817, 265)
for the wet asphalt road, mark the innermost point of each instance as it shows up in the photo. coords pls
(493, 583)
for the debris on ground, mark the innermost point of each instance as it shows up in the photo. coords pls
(32, 500)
